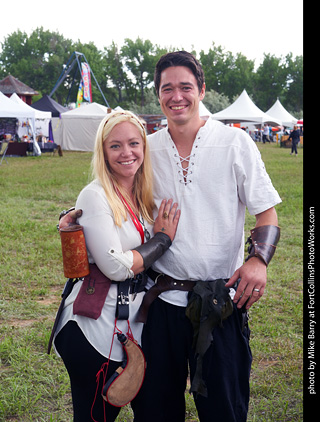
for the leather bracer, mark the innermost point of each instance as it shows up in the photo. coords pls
(263, 242)
(154, 248)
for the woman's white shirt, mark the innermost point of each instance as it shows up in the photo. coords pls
(108, 246)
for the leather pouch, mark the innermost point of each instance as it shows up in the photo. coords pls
(92, 294)
(125, 383)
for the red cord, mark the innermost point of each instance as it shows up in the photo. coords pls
(104, 368)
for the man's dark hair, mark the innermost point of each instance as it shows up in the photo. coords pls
(178, 58)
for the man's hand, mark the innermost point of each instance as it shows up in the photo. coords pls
(253, 275)
(69, 219)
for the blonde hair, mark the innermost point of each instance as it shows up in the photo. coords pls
(143, 180)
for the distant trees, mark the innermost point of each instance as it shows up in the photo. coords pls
(36, 60)
(125, 74)
(276, 77)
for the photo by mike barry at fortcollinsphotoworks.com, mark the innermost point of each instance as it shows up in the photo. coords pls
(310, 319)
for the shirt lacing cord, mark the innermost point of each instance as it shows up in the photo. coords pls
(185, 172)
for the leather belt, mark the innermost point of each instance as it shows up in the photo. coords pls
(163, 283)
(132, 286)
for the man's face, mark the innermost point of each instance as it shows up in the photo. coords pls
(179, 95)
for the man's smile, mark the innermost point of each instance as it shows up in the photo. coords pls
(177, 107)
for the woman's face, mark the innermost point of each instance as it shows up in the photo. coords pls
(123, 149)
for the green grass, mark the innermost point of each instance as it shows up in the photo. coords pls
(34, 386)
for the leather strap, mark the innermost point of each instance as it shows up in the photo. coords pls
(162, 284)
(66, 291)
(126, 287)
(122, 311)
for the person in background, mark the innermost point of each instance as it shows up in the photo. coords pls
(295, 137)
(265, 133)
(117, 219)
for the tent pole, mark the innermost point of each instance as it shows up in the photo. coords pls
(73, 79)
(63, 75)
(96, 82)
(67, 69)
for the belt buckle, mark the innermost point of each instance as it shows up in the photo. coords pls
(123, 299)
(156, 280)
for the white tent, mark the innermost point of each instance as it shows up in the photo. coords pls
(280, 113)
(9, 108)
(42, 118)
(78, 127)
(203, 111)
(38, 114)
(244, 110)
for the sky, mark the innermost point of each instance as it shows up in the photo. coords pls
(250, 27)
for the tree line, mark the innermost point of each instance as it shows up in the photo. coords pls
(125, 73)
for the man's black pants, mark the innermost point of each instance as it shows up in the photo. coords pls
(166, 342)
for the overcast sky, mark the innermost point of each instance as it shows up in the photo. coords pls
(250, 27)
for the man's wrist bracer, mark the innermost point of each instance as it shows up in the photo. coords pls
(263, 242)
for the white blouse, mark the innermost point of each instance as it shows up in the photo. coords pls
(103, 236)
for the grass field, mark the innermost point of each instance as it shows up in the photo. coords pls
(34, 386)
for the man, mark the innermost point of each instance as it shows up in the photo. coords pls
(266, 133)
(214, 172)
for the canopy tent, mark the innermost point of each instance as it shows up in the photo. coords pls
(79, 127)
(42, 118)
(48, 104)
(9, 108)
(280, 113)
(203, 111)
(244, 110)
(38, 114)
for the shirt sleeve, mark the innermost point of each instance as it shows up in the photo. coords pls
(255, 188)
(103, 236)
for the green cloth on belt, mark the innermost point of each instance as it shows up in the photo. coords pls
(208, 306)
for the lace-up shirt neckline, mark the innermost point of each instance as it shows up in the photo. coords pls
(185, 163)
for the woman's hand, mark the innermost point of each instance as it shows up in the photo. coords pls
(168, 218)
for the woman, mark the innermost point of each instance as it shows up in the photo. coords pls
(117, 221)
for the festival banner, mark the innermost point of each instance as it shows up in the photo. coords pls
(80, 94)
(86, 77)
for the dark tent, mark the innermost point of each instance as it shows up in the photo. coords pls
(48, 104)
